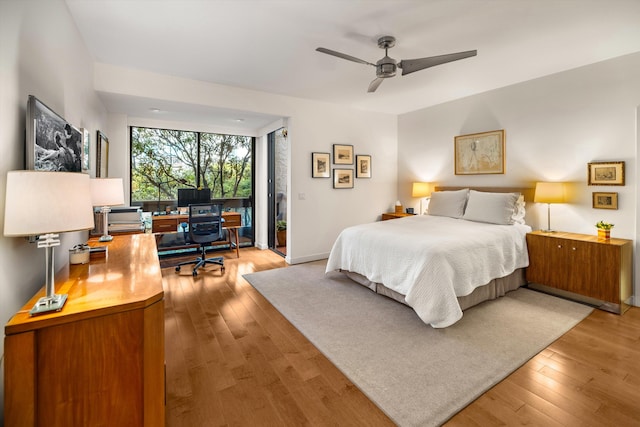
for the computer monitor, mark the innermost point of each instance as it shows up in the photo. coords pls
(191, 196)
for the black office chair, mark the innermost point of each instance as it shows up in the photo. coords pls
(205, 227)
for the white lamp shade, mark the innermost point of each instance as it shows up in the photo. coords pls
(39, 202)
(549, 192)
(107, 192)
(421, 189)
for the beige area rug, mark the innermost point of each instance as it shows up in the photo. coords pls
(419, 376)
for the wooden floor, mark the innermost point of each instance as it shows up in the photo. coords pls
(233, 360)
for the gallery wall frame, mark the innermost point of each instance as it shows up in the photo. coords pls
(605, 200)
(480, 153)
(320, 165)
(342, 178)
(363, 166)
(342, 154)
(102, 155)
(86, 141)
(605, 173)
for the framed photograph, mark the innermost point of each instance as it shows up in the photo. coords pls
(605, 173)
(479, 153)
(342, 154)
(102, 155)
(85, 149)
(52, 144)
(343, 178)
(605, 200)
(320, 165)
(363, 166)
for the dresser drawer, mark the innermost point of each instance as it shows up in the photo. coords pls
(164, 225)
(232, 220)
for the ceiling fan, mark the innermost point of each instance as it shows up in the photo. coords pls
(386, 67)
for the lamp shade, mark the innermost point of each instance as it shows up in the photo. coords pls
(421, 189)
(107, 192)
(39, 202)
(549, 192)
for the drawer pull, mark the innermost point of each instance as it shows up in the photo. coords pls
(559, 246)
(573, 249)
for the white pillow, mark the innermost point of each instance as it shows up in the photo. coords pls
(495, 208)
(519, 212)
(448, 203)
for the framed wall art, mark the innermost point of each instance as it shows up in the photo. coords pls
(342, 154)
(102, 155)
(605, 173)
(343, 178)
(363, 166)
(85, 149)
(320, 165)
(605, 200)
(480, 153)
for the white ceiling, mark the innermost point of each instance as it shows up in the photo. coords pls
(270, 45)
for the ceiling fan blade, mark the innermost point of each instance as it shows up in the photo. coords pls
(343, 56)
(374, 84)
(411, 65)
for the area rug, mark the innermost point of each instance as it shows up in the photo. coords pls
(418, 375)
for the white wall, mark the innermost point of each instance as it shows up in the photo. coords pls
(554, 126)
(317, 212)
(42, 54)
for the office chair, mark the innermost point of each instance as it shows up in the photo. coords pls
(205, 227)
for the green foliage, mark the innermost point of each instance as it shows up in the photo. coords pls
(604, 225)
(281, 225)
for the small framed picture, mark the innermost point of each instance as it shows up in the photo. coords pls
(342, 154)
(343, 178)
(363, 166)
(605, 173)
(605, 200)
(320, 165)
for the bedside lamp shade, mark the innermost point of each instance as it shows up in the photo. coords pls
(549, 192)
(43, 204)
(421, 190)
(106, 192)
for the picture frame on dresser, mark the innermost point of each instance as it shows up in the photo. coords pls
(605, 173)
(605, 200)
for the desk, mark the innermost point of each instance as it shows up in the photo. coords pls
(102, 356)
(169, 224)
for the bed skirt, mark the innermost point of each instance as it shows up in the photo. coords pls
(492, 290)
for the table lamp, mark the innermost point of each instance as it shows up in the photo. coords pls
(422, 190)
(43, 204)
(106, 192)
(549, 192)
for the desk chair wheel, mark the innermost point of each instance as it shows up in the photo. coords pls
(177, 268)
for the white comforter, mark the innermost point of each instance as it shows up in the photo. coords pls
(431, 259)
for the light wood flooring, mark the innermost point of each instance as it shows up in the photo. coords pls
(233, 360)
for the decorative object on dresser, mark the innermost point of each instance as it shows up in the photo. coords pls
(421, 190)
(480, 153)
(549, 192)
(106, 192)
(363, 166)
(343, 178)
(604, 229)
(584, 267)
(605, 200)
(320, 165)
(605, 173)
(43, 204)
(342, 154)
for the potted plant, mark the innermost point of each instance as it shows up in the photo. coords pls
(281, 232)
(604, 229)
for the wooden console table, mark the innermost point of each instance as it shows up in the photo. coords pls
(101, 358)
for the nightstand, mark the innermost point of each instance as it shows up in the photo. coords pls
(584, 265)
(394, 215)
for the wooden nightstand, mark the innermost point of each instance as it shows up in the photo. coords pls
(394, 215)
(583, 265)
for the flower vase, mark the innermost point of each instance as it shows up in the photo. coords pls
(604, 234)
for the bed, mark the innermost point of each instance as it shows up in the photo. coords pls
(470, 248)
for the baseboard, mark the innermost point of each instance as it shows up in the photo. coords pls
(308, 258)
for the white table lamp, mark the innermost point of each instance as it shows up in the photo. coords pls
(421, 190)
(106, 192)
(549, 192)
(44, 204)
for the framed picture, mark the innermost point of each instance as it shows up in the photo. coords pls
(102, 155)
(605, 200)
(342, 154)
(343, 178)
(605, 173)
(320, 165)
(52, 144)
(85, 149)
(363, 166)
(479, 153)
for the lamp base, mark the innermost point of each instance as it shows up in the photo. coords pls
(47, 304)
(548, 231)
(105, 238)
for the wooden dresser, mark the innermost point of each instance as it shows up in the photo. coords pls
(100, 360)
(394, 215)
(583, 265)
